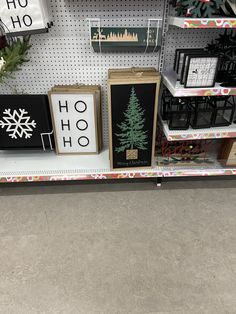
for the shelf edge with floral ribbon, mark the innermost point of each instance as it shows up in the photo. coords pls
(42, 167)
(177, 90)
(202, 23)
(47, 166)
(199, 134)
(182, 172)
(216, 169)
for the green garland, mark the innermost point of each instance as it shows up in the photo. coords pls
(13, 56)
(197, 8)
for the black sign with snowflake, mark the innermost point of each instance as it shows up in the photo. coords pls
(25, 122)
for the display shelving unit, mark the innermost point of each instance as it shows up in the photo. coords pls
(202, 23)
(64, 56)
(38, 167)
(177, 90)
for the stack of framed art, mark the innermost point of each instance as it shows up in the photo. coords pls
(76, 116)
(196, 67)
(133, 101)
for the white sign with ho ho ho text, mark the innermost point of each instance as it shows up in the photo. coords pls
(23, 15)
(75, 122)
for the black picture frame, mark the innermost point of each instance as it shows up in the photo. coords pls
(185, 62)
(179, 55)
(206, 69)
(34, 129)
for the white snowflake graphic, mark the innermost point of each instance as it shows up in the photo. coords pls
(17, 123)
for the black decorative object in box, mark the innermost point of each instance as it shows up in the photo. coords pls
(202, 112)
(177, 112)
(197, 112)
(25, 122)
(166, 103)
(225, 47)
(224, 108)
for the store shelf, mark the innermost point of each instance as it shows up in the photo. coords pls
(177, 90)
(38, 167)
(202, 23)
(198, 172)
(200, 134)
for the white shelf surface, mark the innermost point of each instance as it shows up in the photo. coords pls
(202, 23)
(40, 166)
(200, 134)
(23, 166)
(177, 90)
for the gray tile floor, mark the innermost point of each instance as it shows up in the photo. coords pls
(120, 248)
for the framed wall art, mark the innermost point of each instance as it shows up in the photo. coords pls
(201, 71)
(184, 66)
(24, 16)
(25, 122)
(179, 59)
(76, 116)
(125, 39)
(133, 100)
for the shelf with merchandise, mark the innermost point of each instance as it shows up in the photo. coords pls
(199, 134)
(38, 166)
(178, 90)
(202, 23)
(114, 35)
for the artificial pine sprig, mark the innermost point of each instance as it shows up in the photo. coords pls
(13, 57)
(198, 8)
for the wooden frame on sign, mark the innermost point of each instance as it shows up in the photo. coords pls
(95, 91)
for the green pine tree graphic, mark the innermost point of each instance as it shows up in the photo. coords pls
(132, 133)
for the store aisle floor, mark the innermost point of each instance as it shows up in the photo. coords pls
(126, 248)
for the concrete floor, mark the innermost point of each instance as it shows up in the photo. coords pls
(121, 248)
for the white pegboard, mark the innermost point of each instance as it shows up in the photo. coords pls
(64, 55)
(186, 38)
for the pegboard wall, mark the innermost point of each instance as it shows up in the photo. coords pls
(185, 38)
(64, 55)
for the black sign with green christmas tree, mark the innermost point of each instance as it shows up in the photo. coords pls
(133, 108)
